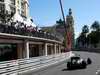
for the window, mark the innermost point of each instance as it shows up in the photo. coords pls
(1, 0)
(12, 2)
(2, 8)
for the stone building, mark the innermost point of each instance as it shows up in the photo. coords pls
(15, 45)
(7, 10)
(70, 30)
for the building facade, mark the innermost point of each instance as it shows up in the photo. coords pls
(7, 10)
(22, 7)
(14, 47)
(70, 30)
(9, 7)
(20, 43)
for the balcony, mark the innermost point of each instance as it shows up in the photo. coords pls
(21, 29)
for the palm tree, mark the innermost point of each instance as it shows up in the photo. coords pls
(95, 26)
(85, 29)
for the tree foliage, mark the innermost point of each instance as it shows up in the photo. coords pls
(95, 26)
(60, 23)
(85, 29)
(83, 36)
(92, 38)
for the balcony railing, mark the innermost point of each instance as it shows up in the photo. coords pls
(21, 29)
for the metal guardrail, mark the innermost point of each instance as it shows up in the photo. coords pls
(95, 50)
(22, 65)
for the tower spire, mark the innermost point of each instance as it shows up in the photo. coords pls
(70, 11)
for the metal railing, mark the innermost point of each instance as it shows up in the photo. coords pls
(24, 31)
(24, 65)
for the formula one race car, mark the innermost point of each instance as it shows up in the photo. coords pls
(76, 62)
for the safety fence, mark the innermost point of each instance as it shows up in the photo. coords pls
(15, 67)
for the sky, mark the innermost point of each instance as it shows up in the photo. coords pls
(47, 12)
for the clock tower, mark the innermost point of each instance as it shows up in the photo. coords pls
(70, 31)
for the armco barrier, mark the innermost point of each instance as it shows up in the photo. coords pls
(95, 50)
(15, 67)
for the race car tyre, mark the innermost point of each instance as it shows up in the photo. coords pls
(84, 64)
(68, 65)
(89, 61)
